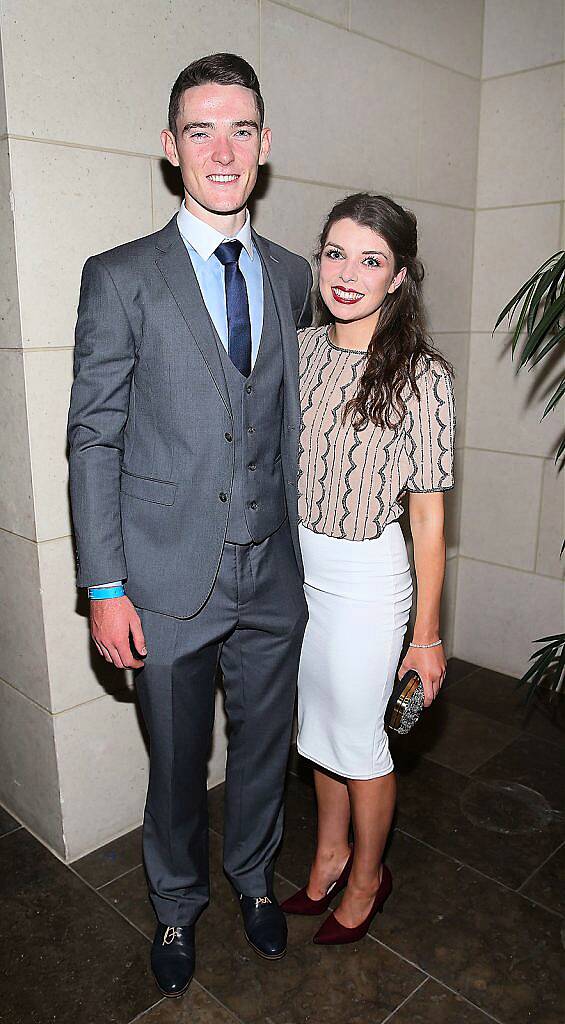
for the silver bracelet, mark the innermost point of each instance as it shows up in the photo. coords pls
(436, 643)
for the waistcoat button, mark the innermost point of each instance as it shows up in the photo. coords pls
(253, 505)
(228, 436)
(252, 467)
(249, 389)
(251, 430)
(223, 496)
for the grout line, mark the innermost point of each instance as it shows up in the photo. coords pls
(433, 978)
(404, 1001)
(539, 867)
(519, 206)
(523, 71)
(148, 1009)
(502, 565)
(374, 39)
(497, 451)
(369, 188)
(107, 902)
(18, 828)
(519, 733)
(118, 877)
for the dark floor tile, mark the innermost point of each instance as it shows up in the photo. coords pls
(129, 895)
(434, 1004)
(491, 945)
(475, 821)
(196, 1007)
(7, 823)
(66, 956)
(452, 736)
(499, 697)
(111, 860)
(354, 984)
(458, 669)
(547, 886)
(531, 763)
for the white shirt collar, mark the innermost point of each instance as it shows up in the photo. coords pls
(206, 239)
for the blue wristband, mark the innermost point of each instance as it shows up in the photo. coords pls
(103, 593)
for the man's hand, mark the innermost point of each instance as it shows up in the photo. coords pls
(111, 622)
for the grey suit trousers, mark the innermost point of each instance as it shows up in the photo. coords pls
(253, 623)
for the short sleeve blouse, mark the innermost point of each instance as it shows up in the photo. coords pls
(351, 482)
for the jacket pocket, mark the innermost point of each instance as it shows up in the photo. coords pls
(161, 491)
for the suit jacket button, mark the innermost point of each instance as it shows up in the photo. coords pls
(252, 467)
(253, 505)
(228, 437)
(223, 496)
(251, 430)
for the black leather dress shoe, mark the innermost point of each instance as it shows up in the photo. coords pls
(265, 926)
(172, 958)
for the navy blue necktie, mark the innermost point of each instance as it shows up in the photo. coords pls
(237, 307)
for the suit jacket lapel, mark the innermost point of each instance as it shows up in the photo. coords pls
(281, 296)
(176, 267)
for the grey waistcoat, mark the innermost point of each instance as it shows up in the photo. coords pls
(257, 506)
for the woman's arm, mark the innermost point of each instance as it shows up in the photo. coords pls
(426, 524)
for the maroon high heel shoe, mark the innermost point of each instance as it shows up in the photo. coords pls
(300, 902)
(332, 933)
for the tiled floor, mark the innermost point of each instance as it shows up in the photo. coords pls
(473, 932)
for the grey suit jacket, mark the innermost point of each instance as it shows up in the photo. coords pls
(148, 416)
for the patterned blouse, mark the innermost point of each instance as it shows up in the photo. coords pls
(350, 482)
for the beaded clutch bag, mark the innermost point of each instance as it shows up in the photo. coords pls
(406, 703)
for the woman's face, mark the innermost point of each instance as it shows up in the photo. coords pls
(356, 271)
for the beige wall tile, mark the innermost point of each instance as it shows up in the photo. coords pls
(217, 759)
(445, 244)
(455, 347)
(499, 612)
(509, 245)
(447, 31)
(452, 500)
(70, 204)
(10, 328)
(504, 408)
(22, 643)
(29, 784)
(49, 376)
(520, 139)
(449, 137)
(501, 502)
(77, 673)
(3, 117)
(342, 128)
(448, 607)
(329, 10)
(292, 213)
(103, 78)
(102, 770)
(16, 495)
(521, 35)
(552, 522)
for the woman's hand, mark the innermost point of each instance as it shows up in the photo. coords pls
(431, 666)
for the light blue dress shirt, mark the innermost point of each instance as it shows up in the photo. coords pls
(201, 241)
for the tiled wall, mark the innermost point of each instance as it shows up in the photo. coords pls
(359, 94)
(510, 582)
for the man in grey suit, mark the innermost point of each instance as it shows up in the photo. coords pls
(183, 432)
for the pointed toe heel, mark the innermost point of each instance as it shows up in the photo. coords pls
(300, 902)
(332, 933)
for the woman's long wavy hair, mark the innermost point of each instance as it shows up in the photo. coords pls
(400, 339)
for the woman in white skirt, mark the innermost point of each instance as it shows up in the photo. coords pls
(377, 422)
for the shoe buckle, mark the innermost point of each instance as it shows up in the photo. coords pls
(170, 935)
(261, 901)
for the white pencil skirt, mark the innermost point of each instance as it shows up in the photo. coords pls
(359, 596)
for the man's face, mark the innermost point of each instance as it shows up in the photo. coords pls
(218, 146)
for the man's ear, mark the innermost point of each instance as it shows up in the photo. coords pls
(397, 280)
(265, 148)
(169, 145)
